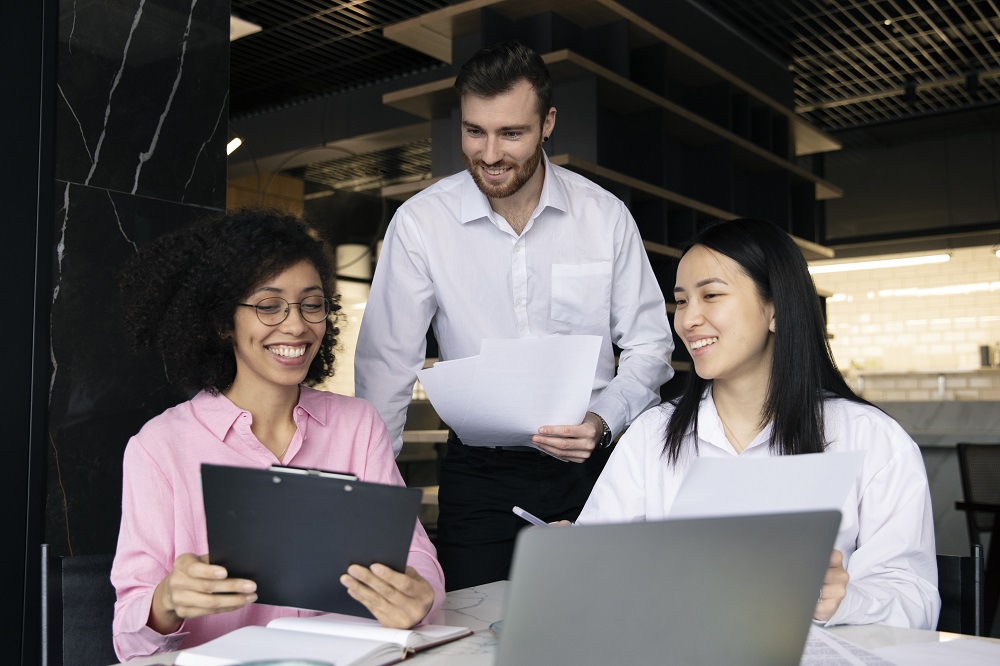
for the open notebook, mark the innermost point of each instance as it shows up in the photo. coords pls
(730, 590)
(333, 638)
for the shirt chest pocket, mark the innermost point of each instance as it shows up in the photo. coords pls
(581, 293)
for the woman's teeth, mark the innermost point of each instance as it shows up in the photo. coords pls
(704, 342)
(287, 352)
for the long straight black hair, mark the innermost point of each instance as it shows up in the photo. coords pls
(803, 372)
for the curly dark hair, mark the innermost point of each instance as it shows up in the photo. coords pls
(180, 291)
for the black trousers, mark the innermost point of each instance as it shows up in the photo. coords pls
(478, 487)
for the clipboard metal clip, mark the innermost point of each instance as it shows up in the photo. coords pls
(346, 476)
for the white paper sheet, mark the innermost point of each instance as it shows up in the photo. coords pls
(964, 651)
(825, 649)
(737, 486)
(502, 396)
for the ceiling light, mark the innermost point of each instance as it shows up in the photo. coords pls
(879, 263)
(240, 28)
(233, 145)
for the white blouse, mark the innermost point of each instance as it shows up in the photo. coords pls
(887, 530)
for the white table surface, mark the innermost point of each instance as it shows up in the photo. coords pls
(478, 607)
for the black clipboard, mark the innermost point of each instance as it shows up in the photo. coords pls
(294, 532)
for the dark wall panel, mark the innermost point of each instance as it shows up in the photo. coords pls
(928, 186)
(140, 150)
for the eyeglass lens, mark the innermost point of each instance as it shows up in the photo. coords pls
(273, 311)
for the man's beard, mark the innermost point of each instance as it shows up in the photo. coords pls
(522, 173)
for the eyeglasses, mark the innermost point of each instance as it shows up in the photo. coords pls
(272, 311)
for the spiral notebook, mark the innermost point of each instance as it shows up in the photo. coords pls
(295, 531)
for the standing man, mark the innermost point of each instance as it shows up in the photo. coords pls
(513, 247)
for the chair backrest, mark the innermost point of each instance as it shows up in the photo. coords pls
(77, 610)
(979, 465)
(961, 582)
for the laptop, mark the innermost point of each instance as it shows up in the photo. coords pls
(732, 590)
(295, 531)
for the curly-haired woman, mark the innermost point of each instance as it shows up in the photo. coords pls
(239, 307)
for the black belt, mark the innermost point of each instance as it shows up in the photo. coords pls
(453, 439)
(516, 449)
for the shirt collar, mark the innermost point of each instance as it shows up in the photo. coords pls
(218, 412)
(475, 205)
(710, 428)
(313, 403)
(709, 424)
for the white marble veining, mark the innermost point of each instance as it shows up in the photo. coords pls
(114, 85)
(72, 29)
(223, 108)
(118, 219)
(79, 125)
(61, 244)
(60, 253)
(475, 608)
(145, 155)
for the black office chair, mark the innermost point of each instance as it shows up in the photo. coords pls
(979, 465)
(77, 610)
(961, 583)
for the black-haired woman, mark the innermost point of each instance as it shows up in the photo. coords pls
(765, 384)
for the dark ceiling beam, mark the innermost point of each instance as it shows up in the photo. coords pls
(902, 91)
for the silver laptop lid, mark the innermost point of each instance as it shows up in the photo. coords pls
(711, 591)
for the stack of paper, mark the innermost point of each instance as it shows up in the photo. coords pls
(502, 396)
(748, 486)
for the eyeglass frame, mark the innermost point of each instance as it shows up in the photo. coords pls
(328, 308)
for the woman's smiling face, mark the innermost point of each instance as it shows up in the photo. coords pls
(725, 325)
(278, 355)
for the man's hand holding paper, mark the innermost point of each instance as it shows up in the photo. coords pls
(571, 443)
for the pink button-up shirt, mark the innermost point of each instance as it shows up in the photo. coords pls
(163, 514)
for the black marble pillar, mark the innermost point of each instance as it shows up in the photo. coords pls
(141, 118)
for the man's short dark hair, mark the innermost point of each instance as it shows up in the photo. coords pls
(496, 69)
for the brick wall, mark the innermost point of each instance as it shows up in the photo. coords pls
(932, 317)
(928, 318)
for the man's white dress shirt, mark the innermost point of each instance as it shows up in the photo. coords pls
(578, 268)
